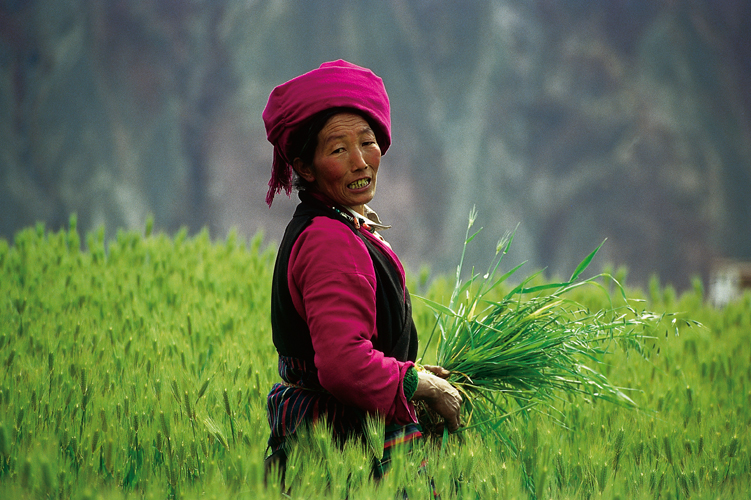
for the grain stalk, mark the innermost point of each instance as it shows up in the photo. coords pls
(523, 351)
(228, 411)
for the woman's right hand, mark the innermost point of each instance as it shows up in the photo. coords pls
(439, 395)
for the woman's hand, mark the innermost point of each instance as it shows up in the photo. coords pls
(439, 395)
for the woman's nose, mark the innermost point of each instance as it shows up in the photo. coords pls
(358, 159)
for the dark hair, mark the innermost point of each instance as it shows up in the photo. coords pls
(305, 140)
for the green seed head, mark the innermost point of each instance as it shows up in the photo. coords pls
(188, 409)
(103, 419)
(94, 440)
(203, 388)
(227, 408)
(4, 444)
(165, 424)
(733, 446)
(668, 449)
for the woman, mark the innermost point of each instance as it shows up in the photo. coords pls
(340, 313)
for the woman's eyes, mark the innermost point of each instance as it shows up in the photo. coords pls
(343, 149)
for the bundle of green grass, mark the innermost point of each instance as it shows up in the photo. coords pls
(521, 351)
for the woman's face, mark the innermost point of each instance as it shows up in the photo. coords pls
(346, 161)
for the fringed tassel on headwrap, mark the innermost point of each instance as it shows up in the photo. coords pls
(281, 177)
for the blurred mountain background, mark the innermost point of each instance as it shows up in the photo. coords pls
(579, 120)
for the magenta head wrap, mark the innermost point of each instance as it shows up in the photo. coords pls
(334, 84)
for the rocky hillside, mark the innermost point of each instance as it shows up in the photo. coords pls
(579, 120)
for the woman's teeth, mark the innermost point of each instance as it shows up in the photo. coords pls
(359, 184)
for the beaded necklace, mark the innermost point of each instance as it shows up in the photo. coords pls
(352, 219)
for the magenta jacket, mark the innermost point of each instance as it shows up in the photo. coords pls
(332, 283)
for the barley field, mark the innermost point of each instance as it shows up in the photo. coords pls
(138, 368)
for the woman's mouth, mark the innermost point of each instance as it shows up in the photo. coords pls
(359, 184)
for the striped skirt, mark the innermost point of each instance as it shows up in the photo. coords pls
(299, 401)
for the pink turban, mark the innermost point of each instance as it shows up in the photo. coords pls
(334, 84)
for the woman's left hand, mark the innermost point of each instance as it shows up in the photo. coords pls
(440, 396)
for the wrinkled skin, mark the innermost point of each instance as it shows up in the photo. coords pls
(439, 395)
(346, 161)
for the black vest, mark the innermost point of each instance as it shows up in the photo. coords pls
(397, 335)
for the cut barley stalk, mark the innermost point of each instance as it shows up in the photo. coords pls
(525, 350)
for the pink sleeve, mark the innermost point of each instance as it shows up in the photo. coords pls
(332, 283)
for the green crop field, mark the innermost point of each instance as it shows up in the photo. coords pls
(138, 368)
